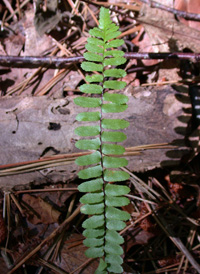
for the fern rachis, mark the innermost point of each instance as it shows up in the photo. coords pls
(103, 199)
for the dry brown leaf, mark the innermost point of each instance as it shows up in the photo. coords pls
(40, 211)
(191, 6)
(72, 256)
(136, 236)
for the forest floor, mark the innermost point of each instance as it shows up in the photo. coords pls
(40, 219)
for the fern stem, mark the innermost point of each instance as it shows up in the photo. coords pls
(102, 176)
(101, 144)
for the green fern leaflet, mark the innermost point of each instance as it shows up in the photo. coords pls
(103, 198)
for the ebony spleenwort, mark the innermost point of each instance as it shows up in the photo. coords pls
(103, 198)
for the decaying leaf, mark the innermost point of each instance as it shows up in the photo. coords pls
(72, 256)
(40, 211)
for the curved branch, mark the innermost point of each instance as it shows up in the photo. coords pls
(62, 62)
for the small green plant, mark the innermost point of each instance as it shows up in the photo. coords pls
(103, 198)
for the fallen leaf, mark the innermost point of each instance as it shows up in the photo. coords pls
(190, 6)
(40, 211)
(72, 256)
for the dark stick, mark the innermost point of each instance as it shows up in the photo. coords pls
(62, 62)
(37, 61)
(184, 14)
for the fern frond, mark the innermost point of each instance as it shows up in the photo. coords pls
(103, 200)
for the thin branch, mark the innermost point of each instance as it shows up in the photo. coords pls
(64, 159)
(62, 62)
(36, 61)
(184, 14)
(120, 5)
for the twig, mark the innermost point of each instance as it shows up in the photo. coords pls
(61, 62)
(36, 61)
(17, 204)
(51, 266)
(46, 190)
(184, 14)
(120, 5)
(64, 159)
(59, 76)
(82, 265)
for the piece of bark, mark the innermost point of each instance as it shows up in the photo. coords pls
(32, 127)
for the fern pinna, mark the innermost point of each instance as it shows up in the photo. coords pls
(103, 198)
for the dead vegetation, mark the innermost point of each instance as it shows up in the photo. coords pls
(40, 220)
